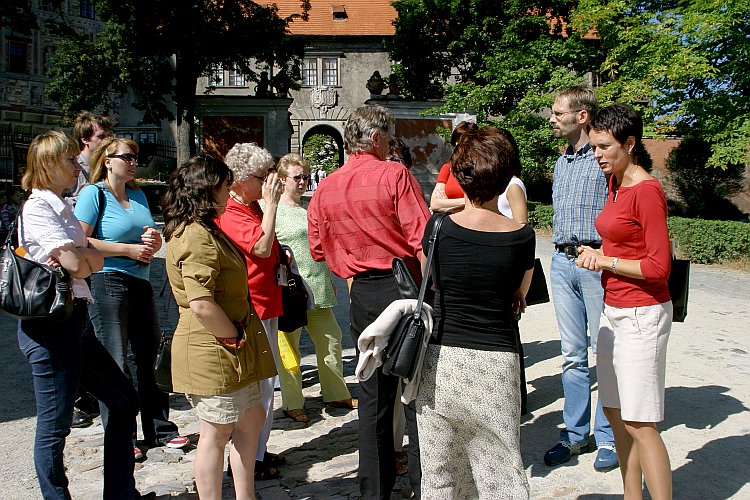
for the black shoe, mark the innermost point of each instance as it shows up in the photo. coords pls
(81, 419)
(87, 404)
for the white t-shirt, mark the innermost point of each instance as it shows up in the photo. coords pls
(502, 200)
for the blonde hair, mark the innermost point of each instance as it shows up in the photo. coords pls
(292, 159)
(99, 156)
(45, 153)
(244, 159)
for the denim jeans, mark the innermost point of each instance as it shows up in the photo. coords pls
(377, 398)
(63, 354)
(125, 313)
(579, 300)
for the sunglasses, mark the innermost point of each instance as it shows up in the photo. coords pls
(129, 157)
(298, 178)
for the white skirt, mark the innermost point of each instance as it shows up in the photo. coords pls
(631, 360)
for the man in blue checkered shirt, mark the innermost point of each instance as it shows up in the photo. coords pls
(579, 190)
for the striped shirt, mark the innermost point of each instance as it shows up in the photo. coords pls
(579, 190)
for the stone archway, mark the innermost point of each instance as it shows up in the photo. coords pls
(331, 132)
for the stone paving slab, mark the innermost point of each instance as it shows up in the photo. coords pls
(706, 430)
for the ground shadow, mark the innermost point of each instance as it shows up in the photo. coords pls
(537, 351)
(714, 470)
(17, 397)
(547, 390)
(699, 407)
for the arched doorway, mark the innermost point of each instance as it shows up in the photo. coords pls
(329, 133)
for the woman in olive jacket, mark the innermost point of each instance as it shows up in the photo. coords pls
(220, 351)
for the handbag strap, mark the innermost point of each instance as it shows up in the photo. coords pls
(432, 242)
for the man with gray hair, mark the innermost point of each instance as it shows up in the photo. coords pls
(366, 213)
(579, 190)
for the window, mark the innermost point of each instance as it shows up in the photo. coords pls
(216, 77)
(330, 71)
(147, 137)
(339, 12)
(18, 56)
(327, 76)
(87, 9)
(236, 79)
(310, 72)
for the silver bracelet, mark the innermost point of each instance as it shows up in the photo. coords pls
(614, 264)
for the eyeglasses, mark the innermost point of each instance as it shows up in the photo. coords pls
(560, 114)
(262, 178)
(298, 178)
(128, 157)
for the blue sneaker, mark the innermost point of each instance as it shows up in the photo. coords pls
(606, 459)
(562, 451)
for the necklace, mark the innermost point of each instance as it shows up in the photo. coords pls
(235, 198)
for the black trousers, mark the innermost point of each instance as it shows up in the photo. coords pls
(377, 469)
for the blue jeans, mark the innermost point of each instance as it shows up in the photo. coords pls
(125, 313)
(579, 299)
(63, 354)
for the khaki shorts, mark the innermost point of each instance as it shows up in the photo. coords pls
(631, 360)
(226, 408)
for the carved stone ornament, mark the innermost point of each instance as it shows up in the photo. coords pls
(323, 98)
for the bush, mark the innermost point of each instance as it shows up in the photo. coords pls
(701, 241)
(710, 241)
(322, 152)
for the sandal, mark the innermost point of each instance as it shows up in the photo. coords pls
(298, 415)
(274, 459)
(264, 471)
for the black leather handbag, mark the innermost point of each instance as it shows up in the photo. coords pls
(294, 300)
(679, 286)
(407, 287)
(30, 290)
(538, 293)
(401, 353)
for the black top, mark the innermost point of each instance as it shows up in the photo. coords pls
(477, 273)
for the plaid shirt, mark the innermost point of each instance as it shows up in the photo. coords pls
(579, 190)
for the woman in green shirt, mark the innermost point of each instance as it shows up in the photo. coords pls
(291, 229)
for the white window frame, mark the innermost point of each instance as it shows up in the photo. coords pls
(321, 70)
(216, 77)
(236, 78)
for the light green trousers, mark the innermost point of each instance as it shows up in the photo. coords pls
(325, 333)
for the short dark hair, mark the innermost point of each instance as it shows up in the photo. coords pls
(83, 126)
(400, 150)
(580, 97)
(483, 163)
(191, 194)
(460, 129)
(622, 121)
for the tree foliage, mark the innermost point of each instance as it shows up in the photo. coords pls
(503, 59)
(159, 48)
(322, 152)
(687, 60)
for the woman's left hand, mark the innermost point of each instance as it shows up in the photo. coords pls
(519, 302)
(588, 258)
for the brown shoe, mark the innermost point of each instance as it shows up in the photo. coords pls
(351, 403)
(298, 415)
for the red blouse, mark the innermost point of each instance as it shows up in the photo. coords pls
(242, 224)
(452, 187)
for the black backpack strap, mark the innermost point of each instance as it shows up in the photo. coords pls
(102, 203)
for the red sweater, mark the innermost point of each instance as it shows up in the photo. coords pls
(633, 226)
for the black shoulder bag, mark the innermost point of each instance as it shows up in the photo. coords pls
(30, 290)
(401, 353)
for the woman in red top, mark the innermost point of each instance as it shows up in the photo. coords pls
(635, 259)
(253, 231)
(448, 197)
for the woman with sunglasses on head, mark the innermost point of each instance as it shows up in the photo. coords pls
(635, 260)
(291, 229)
(219, 350)
(253, 231)
(64, 353)
(124, 313)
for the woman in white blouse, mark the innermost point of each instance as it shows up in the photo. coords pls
(65, 353)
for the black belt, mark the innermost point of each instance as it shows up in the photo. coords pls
(571, 251)
(374, 273)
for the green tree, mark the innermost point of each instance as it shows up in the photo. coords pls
(159, 48)
(322, 152)
(502, 60)
(684, 61)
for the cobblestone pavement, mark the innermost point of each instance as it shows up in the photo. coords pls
(707, 429)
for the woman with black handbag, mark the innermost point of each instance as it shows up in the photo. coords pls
(291, 229)
(468, 402)
(115, 215)
(63, 351)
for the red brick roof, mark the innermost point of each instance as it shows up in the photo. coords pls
(363, 17)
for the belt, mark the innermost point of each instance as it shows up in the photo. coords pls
(374, 273)
(571, 250)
